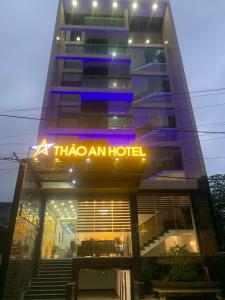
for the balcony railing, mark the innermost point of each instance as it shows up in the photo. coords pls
(100, 49)
(95, 21)
(142, 124)
(94, 82)
(105, 22)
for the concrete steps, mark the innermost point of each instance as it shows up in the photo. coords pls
(51, 281)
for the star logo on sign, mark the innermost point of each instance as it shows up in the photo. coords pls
(42, 148)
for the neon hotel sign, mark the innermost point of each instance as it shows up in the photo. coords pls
(73, 150)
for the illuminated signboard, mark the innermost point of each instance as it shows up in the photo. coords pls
(74, 150)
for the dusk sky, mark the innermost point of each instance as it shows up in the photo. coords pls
(26, 30)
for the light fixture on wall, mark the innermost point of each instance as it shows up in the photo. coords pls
(95, 4)
(155, 6)
(74, 3)
(134, 5)
(114, 4)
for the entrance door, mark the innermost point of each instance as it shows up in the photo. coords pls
(104, 284)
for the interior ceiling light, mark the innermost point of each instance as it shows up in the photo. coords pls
(114, 84)
(58, 38)
(155, 6)
(115, 4)
(114, 54)
(147, 41)
(75, 3)
(130, 41)
(78, 39)
(166, 42)
(73, 181)
(134, 5)
(70, 170)
(95, 4)
(88, 160)
(52, 201)
(62, 203)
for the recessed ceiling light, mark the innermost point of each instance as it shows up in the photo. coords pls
(78, 39)
(73, 181)
(134, 5)
(115, 4)
(147, 41)
(75, 3)
(62, 203)
(130, 41)
(95, 4)
(155, 6)
(70, 170)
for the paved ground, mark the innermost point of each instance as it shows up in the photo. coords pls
(96, 295)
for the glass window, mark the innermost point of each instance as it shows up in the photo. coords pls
(164, 222)
(143, 56)
(86, 228)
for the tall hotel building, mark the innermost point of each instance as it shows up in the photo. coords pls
(117, 176)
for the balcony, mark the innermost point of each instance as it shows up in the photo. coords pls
(144, 130)
(76, 80)
(89, 22)
(101, 49)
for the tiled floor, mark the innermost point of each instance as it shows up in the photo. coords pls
(96, 295)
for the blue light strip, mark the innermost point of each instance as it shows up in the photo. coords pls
(95, 59)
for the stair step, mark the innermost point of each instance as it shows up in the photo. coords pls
(45, 296)
(46, 291)
(50, 281)
(57, 272)
(47, 287)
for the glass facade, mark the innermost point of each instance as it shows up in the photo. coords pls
(86, 228)
(164, 222)
(27, 221)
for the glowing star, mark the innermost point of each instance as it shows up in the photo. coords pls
(42, 148)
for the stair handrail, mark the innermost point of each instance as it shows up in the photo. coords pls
(151, 223)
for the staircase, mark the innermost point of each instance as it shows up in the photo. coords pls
(156, 241)
(51, 281)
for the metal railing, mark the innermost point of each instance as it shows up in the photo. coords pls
(101, 49)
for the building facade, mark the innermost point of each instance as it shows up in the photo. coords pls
(117, 174)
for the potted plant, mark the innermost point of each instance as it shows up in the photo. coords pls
(183, 274)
